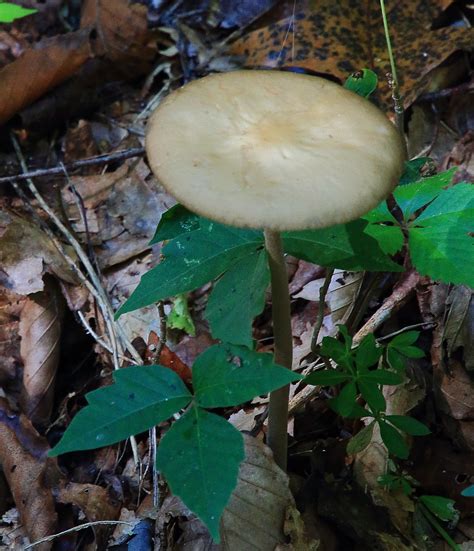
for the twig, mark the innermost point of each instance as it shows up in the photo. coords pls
(91, 161)
(77, 529)
(94, 285)
(399, 296)
(322, 300)
(427, 324)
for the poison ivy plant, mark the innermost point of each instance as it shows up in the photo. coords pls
(200, 454)
(357, 373)
(10, 12)
(438, 223)
(198, 250)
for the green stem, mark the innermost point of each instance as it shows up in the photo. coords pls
(397, 99)
(283, 347)
(437, 526)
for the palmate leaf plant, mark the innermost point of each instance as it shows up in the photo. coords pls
(357, 374)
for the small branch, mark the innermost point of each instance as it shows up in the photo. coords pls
(399, 296)
(76, 529)
(91, 161)
(322, 301)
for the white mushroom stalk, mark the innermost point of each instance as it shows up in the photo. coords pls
(276, 151)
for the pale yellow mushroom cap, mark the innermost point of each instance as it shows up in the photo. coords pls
(276, 150)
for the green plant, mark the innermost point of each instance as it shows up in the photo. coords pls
(432, 508)
(201, 452)
(10, 12)
(357, 373)
(430, 233)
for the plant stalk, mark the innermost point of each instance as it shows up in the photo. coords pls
(397, 99)
(283, 347)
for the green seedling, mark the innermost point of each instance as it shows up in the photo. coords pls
(11, 12)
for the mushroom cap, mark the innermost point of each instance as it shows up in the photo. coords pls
(274, 150)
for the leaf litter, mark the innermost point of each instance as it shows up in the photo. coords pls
(113, 211)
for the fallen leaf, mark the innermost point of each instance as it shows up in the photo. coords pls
(96, 503)
(31, 475)
(122, 34)
(26, 253)
(339, 38)
(112, 29)
(40, 69)
(10, 309)
(40, 332)
(259, 510)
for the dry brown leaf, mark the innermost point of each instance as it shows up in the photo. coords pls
(122, 33)
(96, 503)
(31, 475)
(338, 38)
(122, 209)
(112, 29)
(254, 517)
(40, 69)
(10, 308)
(26, 254)
(260, 514)
(40, 331)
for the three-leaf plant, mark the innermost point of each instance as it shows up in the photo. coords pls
(200, 454)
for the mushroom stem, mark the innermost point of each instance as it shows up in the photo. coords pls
(283, 346)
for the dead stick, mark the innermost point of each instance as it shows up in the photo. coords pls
(91, 161)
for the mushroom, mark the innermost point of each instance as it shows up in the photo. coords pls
(276, 151)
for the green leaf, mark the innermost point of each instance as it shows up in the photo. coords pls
(140, 398)
(372, 394)
(412, 197)
(175, 221)
(442, 507)
(179, 317)
(469, 491)
(361, 440)
(345, 246)
(199, 458)
(191, 260)
(228, 375)
(384, 228)
(339, 351)
(412, 171)
(363, 82)
(381, 377)
(396, 360)
(394, 441)
(412, 352)
(237, 298)
(440, 242)
(327, 377)
(11, 12)
(404, 339)
(367, 353)
(344, 403)
(408, 425)
(358, 411)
